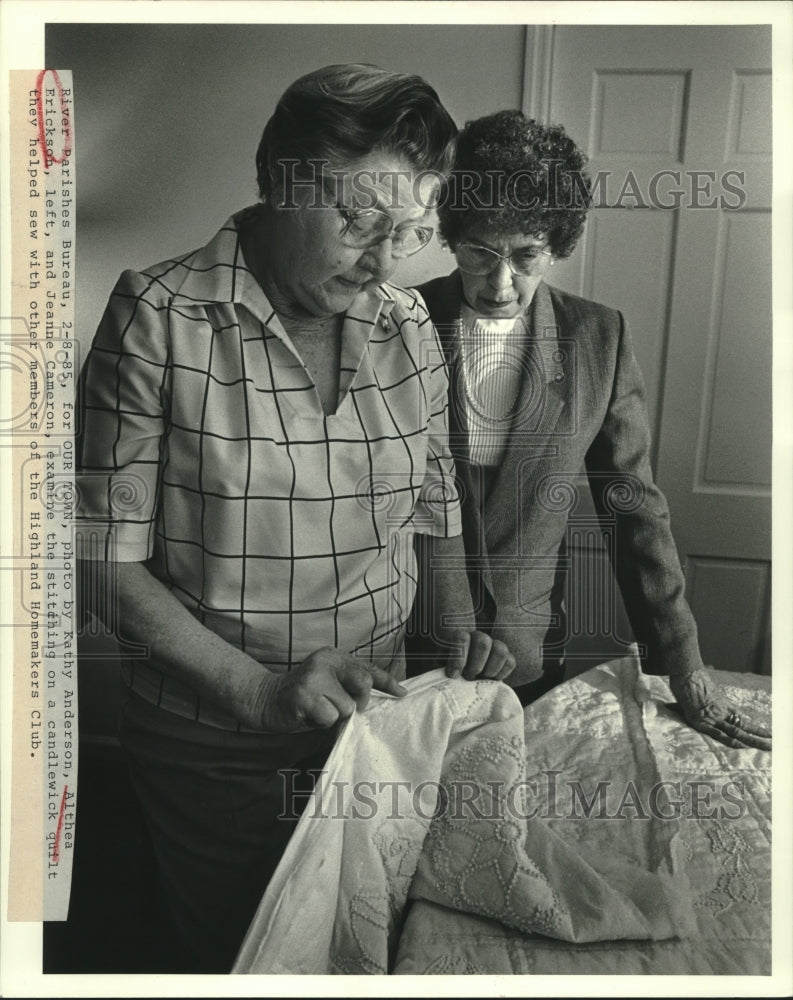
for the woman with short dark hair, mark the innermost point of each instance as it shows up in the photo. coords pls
(263, 432)
(341, 113)
(546, 399)
(515, 175)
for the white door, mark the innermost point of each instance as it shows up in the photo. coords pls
(693, 281)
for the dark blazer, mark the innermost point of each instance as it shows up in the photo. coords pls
(580, 419)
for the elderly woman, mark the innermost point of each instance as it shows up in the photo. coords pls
(264, 432)
(544, 385)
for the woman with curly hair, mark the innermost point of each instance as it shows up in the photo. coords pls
(546, 396)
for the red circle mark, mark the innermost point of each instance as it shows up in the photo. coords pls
(56, 850)
(46, 155)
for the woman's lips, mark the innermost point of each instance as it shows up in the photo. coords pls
(491, 304)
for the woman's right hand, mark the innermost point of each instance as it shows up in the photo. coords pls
(327, 686)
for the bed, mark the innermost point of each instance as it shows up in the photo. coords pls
(455, 833)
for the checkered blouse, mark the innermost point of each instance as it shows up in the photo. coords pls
(206, 452)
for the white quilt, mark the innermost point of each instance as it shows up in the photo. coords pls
(724, 833)
(567, 829)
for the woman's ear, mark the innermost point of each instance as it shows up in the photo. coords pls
(276, 195)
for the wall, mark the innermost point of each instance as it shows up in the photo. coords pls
(169, 118)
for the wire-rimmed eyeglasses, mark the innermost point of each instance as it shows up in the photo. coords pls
(475, 259)
(365, 228)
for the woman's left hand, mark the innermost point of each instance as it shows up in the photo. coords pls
(705, 709)
(474, 655)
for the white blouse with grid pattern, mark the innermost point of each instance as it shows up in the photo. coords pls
(206, 452)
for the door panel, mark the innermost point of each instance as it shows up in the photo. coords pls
(693, 281)
(619, 245)
(735, 593)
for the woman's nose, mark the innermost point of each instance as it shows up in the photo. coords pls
(501, 275)
(379, 259)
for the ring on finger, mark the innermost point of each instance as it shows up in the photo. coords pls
(733, 718)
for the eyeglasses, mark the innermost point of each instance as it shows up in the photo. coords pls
(474, 259)
(365, 228)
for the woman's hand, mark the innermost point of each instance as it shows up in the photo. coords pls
(474, 655)
(327, 686)
(461, 649)
(705, 709)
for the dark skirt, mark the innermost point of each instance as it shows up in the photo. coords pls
(220, 807)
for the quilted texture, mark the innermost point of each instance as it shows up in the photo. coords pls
(492, 833)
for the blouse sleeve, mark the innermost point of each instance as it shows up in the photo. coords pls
(438, 506)
(122, 399)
